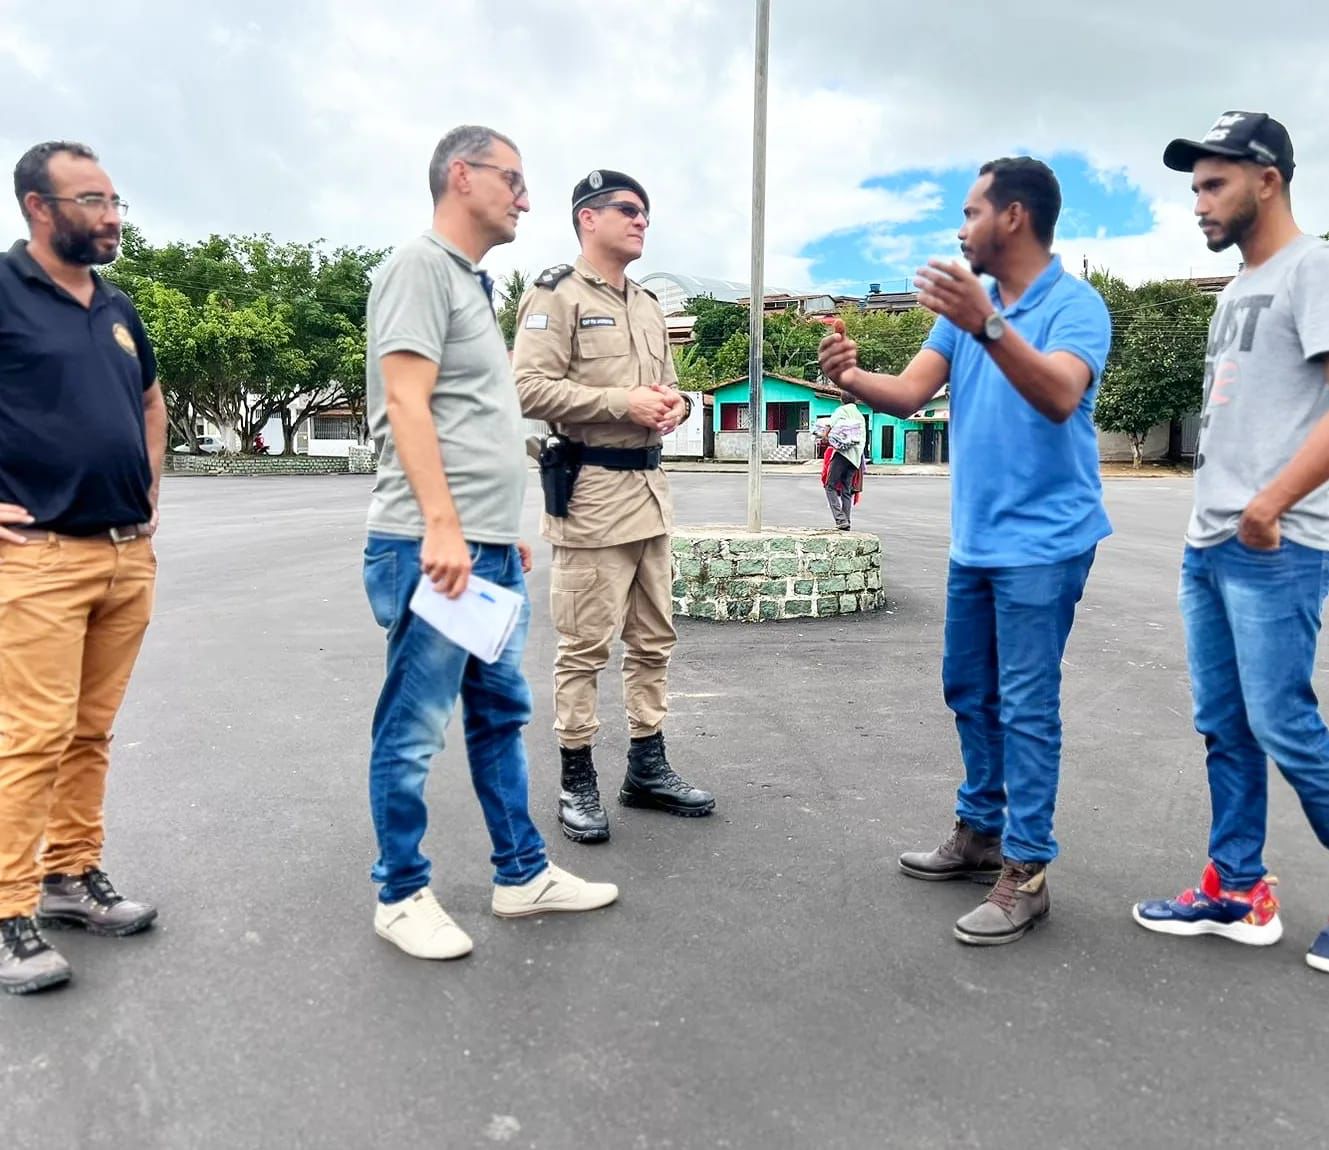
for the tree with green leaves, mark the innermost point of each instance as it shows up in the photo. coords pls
(730, 360)
(693, 369)
(512, 289)
(790, 342)
(886, 340)
(258, 329)
(716, 322)
(1155, 369)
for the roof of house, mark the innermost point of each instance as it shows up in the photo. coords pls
(827, 389)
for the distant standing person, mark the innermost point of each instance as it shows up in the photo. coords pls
(842, 466)
(447, 503)
(82, 439)
(1255, 568)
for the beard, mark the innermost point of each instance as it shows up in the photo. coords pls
(980, 262)
(1237, 228)
(83, 246)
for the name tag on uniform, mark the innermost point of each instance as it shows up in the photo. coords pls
(537, 322)
(597, 321)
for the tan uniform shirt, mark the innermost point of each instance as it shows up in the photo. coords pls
(580, 346)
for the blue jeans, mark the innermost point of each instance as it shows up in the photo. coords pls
(1252, 621)
(426, 675)
(1006, 630)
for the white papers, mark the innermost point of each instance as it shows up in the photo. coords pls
(481, 620)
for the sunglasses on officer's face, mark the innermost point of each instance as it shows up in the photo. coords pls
(632, 211)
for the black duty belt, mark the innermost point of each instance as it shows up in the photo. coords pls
(620, 458)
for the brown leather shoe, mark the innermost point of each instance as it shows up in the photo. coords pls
(1012, 908)
(965, 854)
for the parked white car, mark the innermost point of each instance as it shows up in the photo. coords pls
(207, 445)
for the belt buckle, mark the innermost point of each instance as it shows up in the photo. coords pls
(123, 534)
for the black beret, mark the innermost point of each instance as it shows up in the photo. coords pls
(603, 180)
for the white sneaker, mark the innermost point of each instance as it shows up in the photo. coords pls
(552, 890)
(420, 927)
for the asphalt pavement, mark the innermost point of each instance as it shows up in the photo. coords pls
(767, 980)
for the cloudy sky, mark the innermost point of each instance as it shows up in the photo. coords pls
(316, 119)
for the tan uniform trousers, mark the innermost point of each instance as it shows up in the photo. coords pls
(72, 617)
(597, 593)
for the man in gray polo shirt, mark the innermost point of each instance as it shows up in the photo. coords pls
(443, 409)
(1256, 565)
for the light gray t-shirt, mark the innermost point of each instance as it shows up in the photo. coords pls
(1264, 389)
(429, 299)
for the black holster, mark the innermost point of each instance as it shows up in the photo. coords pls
(560, 463)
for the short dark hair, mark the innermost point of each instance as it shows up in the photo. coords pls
(1030, 183)
(594, 204)
(33, 171)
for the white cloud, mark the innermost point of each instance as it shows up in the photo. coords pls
(318, 119)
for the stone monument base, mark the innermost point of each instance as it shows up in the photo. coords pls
(729, 574)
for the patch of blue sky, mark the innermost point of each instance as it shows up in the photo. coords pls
(926, 215)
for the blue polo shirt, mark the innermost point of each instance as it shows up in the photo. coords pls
(73, 447)
(1025, 490)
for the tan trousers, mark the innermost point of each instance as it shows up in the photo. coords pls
(72, 617)
(597, 593)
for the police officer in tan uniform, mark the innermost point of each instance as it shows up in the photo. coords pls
(592, 359)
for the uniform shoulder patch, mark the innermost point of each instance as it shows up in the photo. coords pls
(649, 292)
(550, 277)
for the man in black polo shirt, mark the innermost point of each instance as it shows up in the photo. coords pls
(82, 436)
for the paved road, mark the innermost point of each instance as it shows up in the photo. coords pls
(768, 979)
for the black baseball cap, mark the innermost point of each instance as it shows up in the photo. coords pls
(603, 180)
(1252, 136)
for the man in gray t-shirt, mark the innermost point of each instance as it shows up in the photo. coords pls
(431, 300)
(446, 508)
(1256, 564)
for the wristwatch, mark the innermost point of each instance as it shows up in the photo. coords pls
(994, 327)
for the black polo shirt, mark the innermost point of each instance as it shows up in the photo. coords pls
(73, 449)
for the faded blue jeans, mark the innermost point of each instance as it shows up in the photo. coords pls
(1252, 623)
(1006, 630)
(426, 675)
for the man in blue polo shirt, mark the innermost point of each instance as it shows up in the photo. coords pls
(82, 436)
(1023, 361)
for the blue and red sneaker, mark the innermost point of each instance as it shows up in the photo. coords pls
(1318, 955)
(1249, 916)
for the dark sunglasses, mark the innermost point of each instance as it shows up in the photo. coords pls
(629, 210)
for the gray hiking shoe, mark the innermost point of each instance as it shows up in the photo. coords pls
(27, 961)
(90, 901)
(965, 854)
(1012, 908)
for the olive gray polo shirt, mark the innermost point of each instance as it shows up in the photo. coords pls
(431, 300)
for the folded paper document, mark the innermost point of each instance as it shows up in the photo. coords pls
(480, 620)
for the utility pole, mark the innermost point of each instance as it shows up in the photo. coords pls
(756, 302)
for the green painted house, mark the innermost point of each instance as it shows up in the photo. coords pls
(791, 408)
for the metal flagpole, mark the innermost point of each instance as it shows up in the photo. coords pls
(757, 298)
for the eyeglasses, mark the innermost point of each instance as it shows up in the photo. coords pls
(515, 180)
(632, 211)
(94, 200)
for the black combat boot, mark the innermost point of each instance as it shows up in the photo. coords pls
(651, 782)
(580, 814)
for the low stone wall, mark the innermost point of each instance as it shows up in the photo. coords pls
(361, 461)
(725, 573)
(183, 464)
(737, 445)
